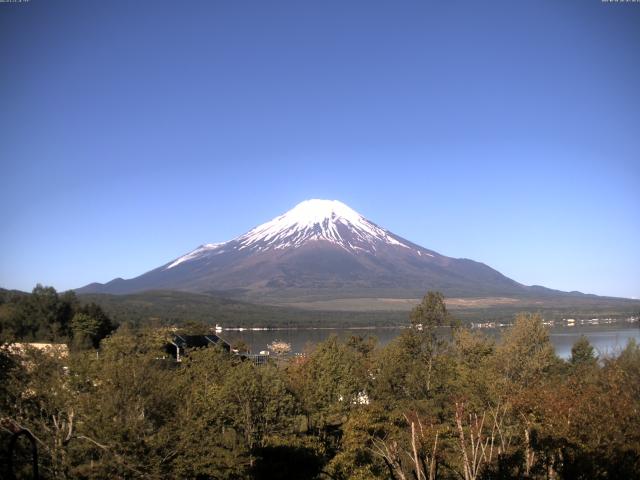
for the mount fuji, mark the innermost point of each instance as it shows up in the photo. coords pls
(321, 249)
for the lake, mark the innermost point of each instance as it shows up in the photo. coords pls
(607, 339)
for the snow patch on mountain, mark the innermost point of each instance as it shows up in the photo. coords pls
(202, 249)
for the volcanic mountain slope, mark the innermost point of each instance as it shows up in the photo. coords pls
(320, 249)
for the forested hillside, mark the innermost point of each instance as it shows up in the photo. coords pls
(421, 407)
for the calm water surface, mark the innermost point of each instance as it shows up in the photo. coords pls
(607, 339)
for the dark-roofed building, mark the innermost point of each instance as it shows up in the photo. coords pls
(180, 343)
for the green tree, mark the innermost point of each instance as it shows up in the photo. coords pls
(403, 369)
(89, 326)
(431, 312)
(582, 353)
(205, 441)
(329, 383)
(85, 331)
(524, 364)
(356, 458)
(51, 313)
(45, 315)
(472, 353)
(525, 353)
(126, 401)
(257, 403)
(41, 401)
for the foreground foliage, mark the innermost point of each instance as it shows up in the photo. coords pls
(422, 407)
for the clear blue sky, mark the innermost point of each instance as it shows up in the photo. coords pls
(506, 132)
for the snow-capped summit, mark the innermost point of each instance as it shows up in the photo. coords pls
(318, 220)
(324, 221)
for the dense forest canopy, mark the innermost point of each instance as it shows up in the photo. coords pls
(47, 316)
(421, 407)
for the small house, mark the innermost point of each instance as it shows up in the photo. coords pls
(180, 343)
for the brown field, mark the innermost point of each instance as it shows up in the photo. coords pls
(399, 304)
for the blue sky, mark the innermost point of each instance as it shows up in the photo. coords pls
(506, 132)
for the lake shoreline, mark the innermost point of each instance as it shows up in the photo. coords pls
(606, 337)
